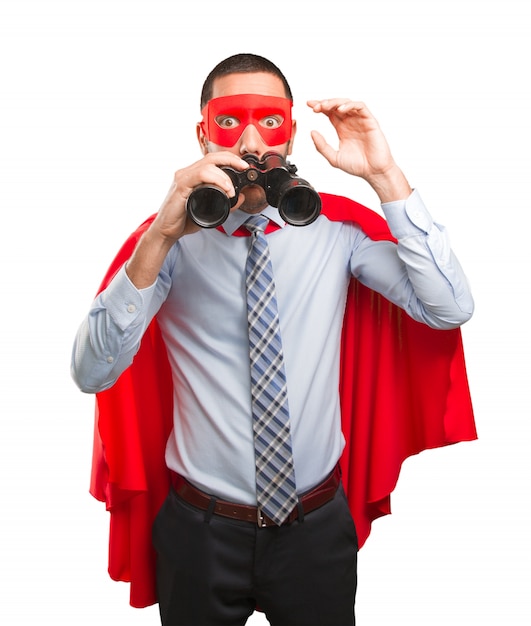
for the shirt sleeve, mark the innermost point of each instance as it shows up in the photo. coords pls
(421, 274)
(110, 335)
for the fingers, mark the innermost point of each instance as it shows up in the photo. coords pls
(224, 157)
(339, 106)
(208, 171)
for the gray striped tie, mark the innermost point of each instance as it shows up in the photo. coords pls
(275, 475)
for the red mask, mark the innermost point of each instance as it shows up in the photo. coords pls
(270, 115)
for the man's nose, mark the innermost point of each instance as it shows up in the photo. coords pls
(251, 141)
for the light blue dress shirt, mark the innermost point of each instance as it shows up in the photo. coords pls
(199, 300)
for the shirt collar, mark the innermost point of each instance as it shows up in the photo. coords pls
(237, 218)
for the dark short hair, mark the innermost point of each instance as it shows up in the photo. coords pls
(241, 64)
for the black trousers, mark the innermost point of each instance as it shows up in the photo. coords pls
(214, 571)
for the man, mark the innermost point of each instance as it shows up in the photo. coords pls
(219, 555)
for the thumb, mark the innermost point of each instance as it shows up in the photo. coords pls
(324, 148)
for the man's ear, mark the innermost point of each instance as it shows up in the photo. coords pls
(292, 138)
(203, 142)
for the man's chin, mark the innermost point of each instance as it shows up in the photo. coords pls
(255, 200)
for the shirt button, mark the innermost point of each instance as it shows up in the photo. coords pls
(110, 359)
(131, 308)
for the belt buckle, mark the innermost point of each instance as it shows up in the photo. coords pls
(260, 520)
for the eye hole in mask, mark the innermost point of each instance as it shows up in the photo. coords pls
(225, 118)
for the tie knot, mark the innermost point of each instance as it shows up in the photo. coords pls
(256, 223)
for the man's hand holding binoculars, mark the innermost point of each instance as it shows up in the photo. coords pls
(172, 221)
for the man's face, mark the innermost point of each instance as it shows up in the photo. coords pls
(226, 118)
(248, 114)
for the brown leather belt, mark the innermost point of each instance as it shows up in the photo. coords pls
(309, 501)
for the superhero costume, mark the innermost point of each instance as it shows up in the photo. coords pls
(403, 389)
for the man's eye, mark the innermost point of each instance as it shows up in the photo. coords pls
(271, 121)
(227, 121)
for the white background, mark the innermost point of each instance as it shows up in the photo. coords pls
(98, 105)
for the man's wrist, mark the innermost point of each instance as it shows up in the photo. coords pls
(391, 185)
(144, 265)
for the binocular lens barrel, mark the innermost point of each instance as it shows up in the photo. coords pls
(208, 206)
(299, 205)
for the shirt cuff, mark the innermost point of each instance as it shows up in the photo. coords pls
(408, 217)
(123, 301)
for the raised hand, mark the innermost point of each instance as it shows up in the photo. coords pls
(363, 149)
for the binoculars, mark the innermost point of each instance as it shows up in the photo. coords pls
(297, 201)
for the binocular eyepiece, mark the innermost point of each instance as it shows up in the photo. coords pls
(297, 201)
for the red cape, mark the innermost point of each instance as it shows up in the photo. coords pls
(403, 388)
